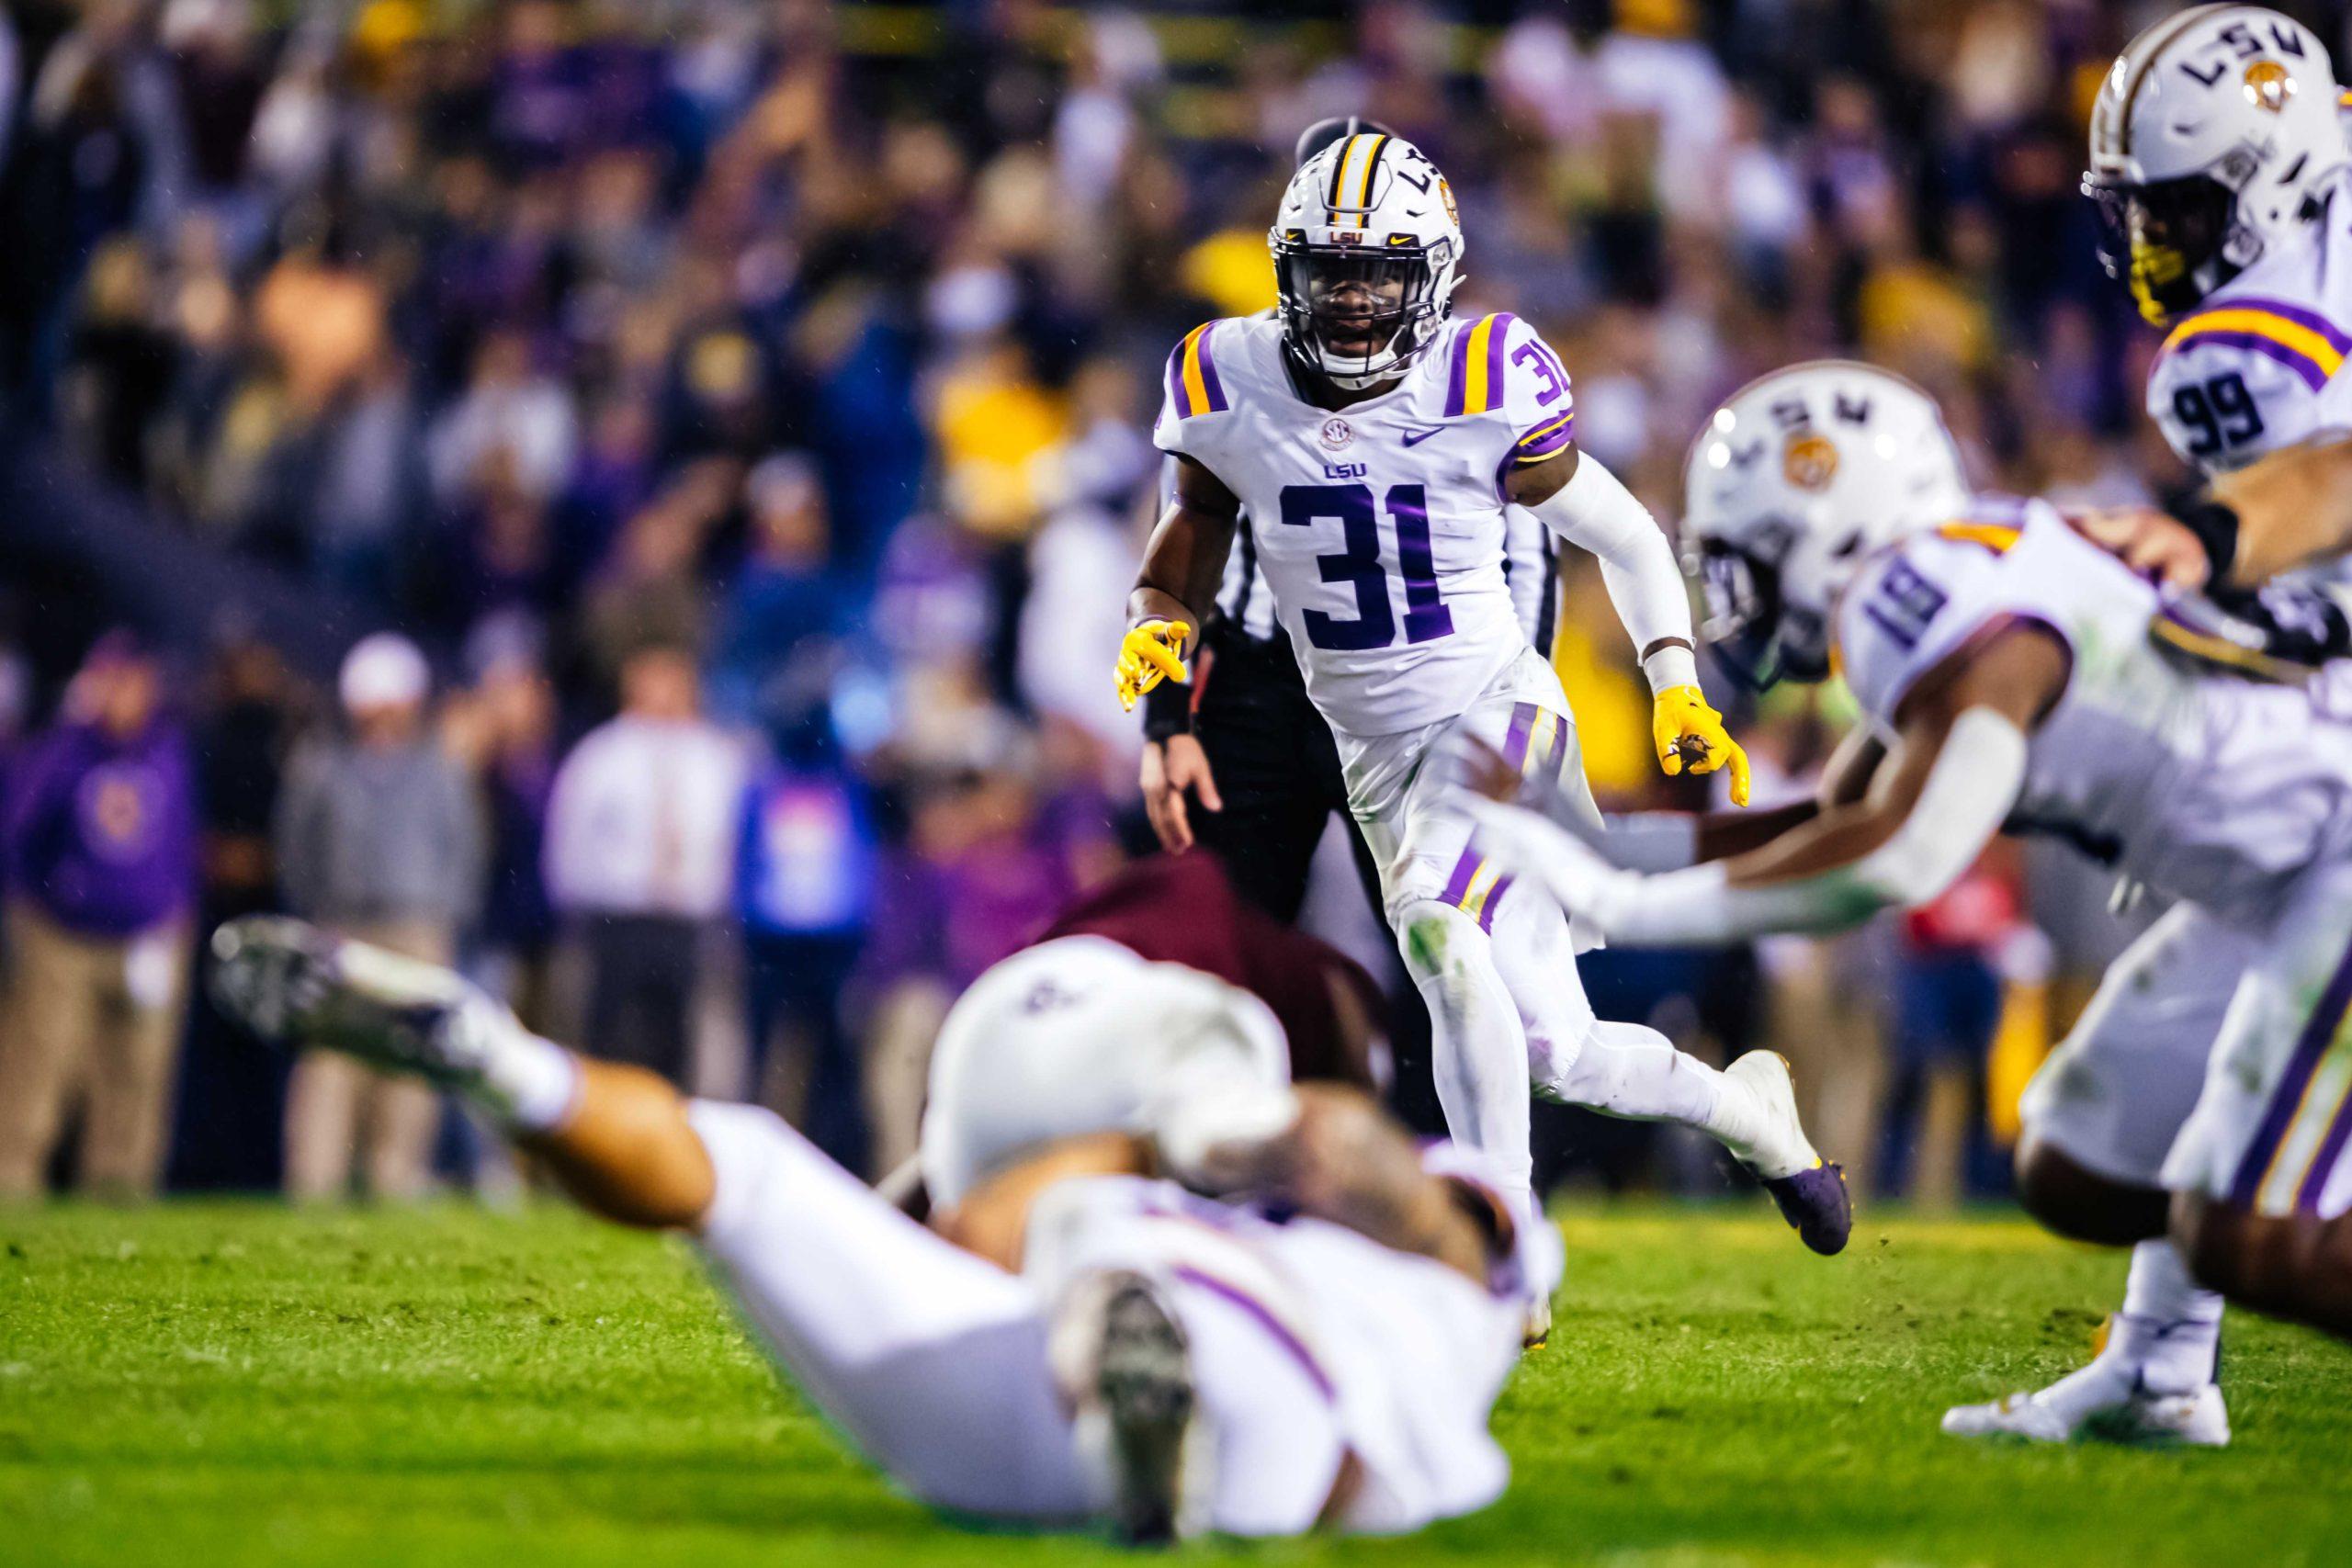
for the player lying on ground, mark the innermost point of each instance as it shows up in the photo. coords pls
(1084, 1338)
(1374, 443)
(2010, 671)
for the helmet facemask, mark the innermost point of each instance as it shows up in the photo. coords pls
(2172, 241)
(1355, 315)
(1754, 632)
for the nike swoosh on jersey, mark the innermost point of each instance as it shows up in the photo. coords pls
(1415, 437)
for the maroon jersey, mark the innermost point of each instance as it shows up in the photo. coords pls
(1182, 909)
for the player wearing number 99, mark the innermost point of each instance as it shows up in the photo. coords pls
(2014, 675)
(2218, 161)
(1375, 441)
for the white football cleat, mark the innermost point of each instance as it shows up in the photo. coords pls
(295, 985)
(1810, 1191)
(2194, 1420)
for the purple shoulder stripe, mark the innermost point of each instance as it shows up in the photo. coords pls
(1208, 371)
(2301, 315)
(2314, 373)
(1457, 375)
(1497, 338)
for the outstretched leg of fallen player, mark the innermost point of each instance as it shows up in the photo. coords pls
(931, 1358)
(975, 1388)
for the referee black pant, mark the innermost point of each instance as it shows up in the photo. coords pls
(1277, 770)
(641, 975)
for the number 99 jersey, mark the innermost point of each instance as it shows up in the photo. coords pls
(1379, 526)
(2258, 364)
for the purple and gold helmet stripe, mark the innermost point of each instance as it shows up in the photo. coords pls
(2301, 340)
(1192, 386)
(2294, 1095)
(1351, 173)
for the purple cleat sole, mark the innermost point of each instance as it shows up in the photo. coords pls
(1816, 1203)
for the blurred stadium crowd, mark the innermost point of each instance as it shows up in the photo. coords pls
(735, 414)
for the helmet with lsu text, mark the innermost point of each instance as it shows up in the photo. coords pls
(1790, 485)
(2212, 138)
(1367, 248)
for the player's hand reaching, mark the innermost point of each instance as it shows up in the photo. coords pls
(1152, 651)
(1690, 734)
(1530, 845)
(2154, 543)
(1170, 768)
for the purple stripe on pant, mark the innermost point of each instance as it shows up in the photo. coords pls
(1523, 722)
(1264, 1317)
(1457, 884)
(2331, 1147)
(1494, 901)
(2319, 1032)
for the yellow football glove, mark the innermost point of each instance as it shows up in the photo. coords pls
(1685, 727)
(1150, 653)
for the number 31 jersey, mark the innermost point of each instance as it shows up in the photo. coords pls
(1380, 526)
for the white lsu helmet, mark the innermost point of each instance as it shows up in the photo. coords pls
(1795, 480)
(2213, 134)
(1366, 221)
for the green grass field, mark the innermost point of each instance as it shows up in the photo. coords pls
(232, 1384)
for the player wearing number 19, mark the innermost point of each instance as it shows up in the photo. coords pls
(2218, 160)
(1374, 441)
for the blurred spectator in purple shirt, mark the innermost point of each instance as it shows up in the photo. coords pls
(804, 890)
(101, 847)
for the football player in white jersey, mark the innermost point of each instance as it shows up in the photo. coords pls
(1376, 443)
(2219, 163)
(1303, 1326)
(2011, 671)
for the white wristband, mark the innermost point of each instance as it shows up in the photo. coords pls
(1669, 666)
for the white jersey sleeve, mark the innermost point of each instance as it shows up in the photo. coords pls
(1914, 604)
(1537, 402)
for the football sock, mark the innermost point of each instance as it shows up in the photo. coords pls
(2163, 1342)
(1632, 1071)
(1478, 1051)
(528, 1083)
(2170, 1328)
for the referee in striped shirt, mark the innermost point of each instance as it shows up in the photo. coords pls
(1238, 760)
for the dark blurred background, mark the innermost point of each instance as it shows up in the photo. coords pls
(637, 501)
